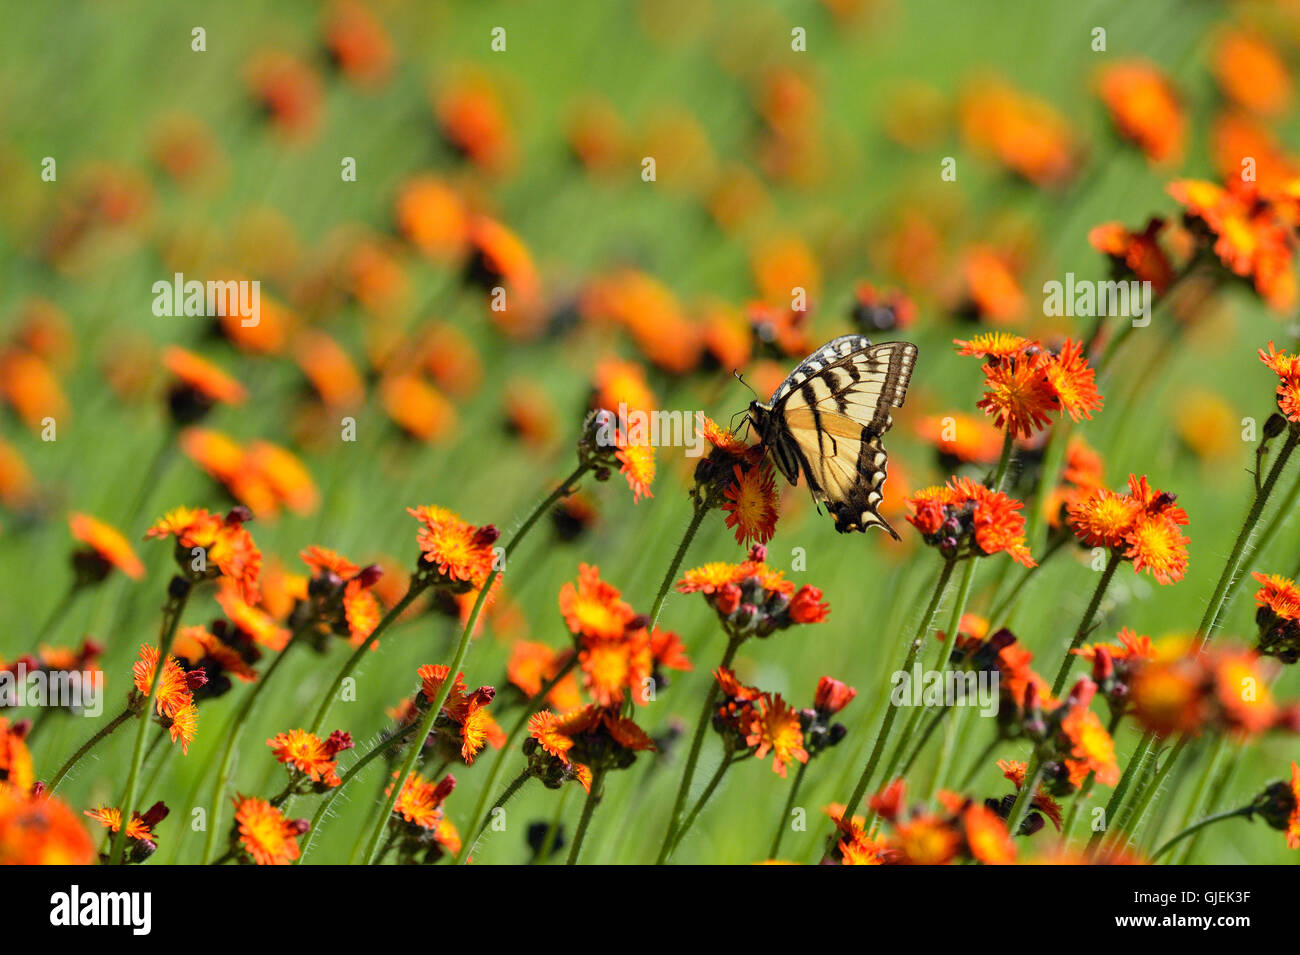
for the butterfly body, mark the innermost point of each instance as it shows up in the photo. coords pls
(827, 419)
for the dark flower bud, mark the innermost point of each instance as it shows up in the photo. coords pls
(155, 814)
(369, 575)
(1275, 805)
(239, 514)
(178, 588)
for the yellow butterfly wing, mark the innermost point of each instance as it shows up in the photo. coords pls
(832, 420)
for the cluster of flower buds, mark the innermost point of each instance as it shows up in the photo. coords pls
(752, 599)
(418, 825)
(1114, 666)
(819, 732)
(220, 652)
(140, 844)
(1279, 806)
(574, 746)
(1278, 618)
(1070, 739)
(597, 444)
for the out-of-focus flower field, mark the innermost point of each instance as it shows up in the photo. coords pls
(475, 223)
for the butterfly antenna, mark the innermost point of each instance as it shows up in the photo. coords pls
(741, 378)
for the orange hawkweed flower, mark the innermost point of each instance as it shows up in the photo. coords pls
(1287, 369)
(31, 386)
(1083, 472)
(200, 648)
(463, 553)
(751, 504)
(1293, 824)
(1093, 751)
(1024, 383)
(420, 803)
(472, 118)
(1145, 109)
(306, 752)
(638, 467)
(358, 43)
(964, 515)
(106, 544)
(229, 548)
(620, 383)
(1025, 134)
(1136, 254)
(288, 90)
(987, 836)
(265, 834)
(465, 710)
(1251, 72)
(174, 685)
(199, 375)
(281, 470)
(432, 216)
(257, 624)
(1247, 235)
(754, 598)
(1141, 526)
(1015, 770)
(1156, 545)
(564, 747)
(531, 664)
(41, 831)
(16, 771)
(111, 819)
(329, 369)
(417, 407)
(776, 728)
(1279, 594)
(594, 608)
(1222, 689)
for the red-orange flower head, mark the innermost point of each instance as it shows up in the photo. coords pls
(1140, 526)
(420, 818)
(460, 555)
(753, 599)
(340, 595)
(1278, 617)
(313, 757)
(1248, 234)
(139, 831)
(464, 725)
(1025, 383)
(1220, 689)
(560, 748)
(1135, 255)
(265, 834)
(210, 546)
(1287, 369)
(964, 518)
(174, 696)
